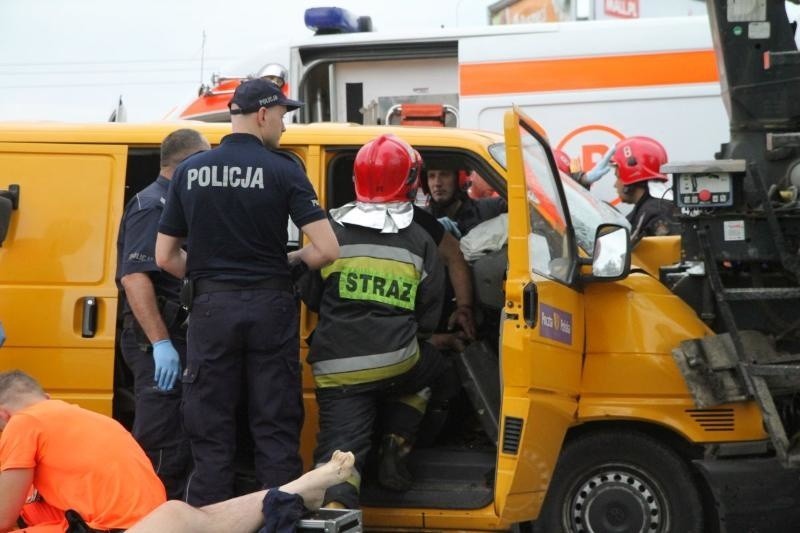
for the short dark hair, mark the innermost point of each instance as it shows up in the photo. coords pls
(15, 382)
(452, 164)
(179, 144)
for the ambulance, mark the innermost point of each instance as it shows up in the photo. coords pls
(588, 83)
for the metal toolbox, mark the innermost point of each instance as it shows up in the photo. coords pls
(331, 521)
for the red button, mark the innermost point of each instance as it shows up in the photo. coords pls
(704, 195)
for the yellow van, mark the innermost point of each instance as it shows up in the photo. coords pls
(573, 413)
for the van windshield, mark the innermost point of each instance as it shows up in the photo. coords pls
(587, 212)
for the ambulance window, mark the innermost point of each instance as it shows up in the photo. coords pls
(549, 252)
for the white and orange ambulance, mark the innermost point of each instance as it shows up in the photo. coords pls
(588, 83)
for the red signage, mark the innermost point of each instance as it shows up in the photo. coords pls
(627, 9)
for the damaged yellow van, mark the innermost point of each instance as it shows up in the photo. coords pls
(572, 416)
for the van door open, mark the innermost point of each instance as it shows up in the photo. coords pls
(58, 301)
(543, 324)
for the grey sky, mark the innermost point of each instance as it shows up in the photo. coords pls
(71, 59)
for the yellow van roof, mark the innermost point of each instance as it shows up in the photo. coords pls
(133, 134)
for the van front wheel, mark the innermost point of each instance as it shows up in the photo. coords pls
(622, 483)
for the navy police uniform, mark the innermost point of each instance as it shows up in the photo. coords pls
(232, 205)
(157, 426)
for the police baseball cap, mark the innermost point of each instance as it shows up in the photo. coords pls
(252, 95)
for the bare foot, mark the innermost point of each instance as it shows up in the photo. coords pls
(312, 485)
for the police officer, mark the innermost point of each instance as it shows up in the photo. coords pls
(232, 206)
(153, 343)
(637, 162)
(449, 201)
(378, 304)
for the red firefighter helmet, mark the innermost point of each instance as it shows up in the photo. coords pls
(386, 170)
(639, 159)
(562, 160)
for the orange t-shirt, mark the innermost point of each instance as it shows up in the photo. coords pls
(82, 461)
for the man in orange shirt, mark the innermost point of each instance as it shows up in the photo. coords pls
(58, 460)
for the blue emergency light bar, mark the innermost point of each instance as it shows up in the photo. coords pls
(325, 20)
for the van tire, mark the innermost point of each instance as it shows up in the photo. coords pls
(615, 481)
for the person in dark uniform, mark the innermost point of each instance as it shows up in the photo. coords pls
(637, 162)
(153, 341)
(450, 203)
(458, 325)
(378, 305)
(231, 205)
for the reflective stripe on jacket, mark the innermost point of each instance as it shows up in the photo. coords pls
(383, 292)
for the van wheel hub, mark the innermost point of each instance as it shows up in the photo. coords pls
(616, 501)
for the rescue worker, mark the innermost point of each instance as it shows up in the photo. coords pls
(231, 205)
(63, 467)
(460, 288)
(572, 167)
(274, 72)
(153, 339)
(378, 303)
(637, 162)
(448, 200)
(278, 510)
(563, 161)
(460, 320)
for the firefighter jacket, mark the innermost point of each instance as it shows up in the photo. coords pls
(652, 217)
(380, 296)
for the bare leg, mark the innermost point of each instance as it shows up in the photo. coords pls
(312, 485)
(243, 514)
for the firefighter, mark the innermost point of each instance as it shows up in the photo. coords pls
(274, 72)
(563, 161)
(572, 167)
(231, 205)
(378, 304)
(67, 469)
(637, 162)
(445, 182)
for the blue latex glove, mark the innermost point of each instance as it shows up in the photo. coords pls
(168, 364)
(2, 334)
(451, 226)
(601, 168)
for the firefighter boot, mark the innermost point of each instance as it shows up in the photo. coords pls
(392, 472)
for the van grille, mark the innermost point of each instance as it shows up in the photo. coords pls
(512, 433)
(713, 419)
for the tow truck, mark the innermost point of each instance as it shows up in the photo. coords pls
(740, 242)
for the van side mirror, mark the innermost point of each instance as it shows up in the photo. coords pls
(9, 201)
(612, 253)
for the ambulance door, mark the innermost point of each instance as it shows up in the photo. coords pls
(58, 300)
(543, 324)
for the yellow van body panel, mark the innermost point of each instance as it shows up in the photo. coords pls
(617, 366)
(629, 373)
(650, 253)
(60, 250)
